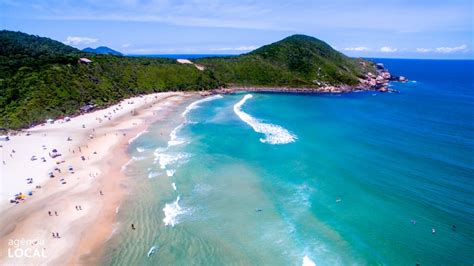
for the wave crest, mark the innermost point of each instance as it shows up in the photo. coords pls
(274, 134)
(172, 211)
(308, 262)
(195, 105)
(165, 159)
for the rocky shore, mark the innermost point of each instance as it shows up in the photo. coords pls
(380, 80)
(371, 82)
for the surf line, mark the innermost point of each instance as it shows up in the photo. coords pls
(173, 210)
(274, 134)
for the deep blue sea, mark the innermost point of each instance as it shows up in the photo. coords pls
(362, 178)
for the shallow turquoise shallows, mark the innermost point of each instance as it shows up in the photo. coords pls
(284, 179)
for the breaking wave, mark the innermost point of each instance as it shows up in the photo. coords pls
(137, 136)
(195, 104)
(308, 262)
(274, 134)
(174, 140)
(165, 159)
(172, 211)
(152, 174)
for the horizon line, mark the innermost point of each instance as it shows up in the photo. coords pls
(399, 58)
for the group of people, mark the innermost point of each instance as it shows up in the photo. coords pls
(433, 230)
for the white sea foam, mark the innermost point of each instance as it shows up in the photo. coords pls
(127, 164)
(308, 262)
(172, 211)
(165, 159)
(174, 140)
(174, 186)
(152, 174)
(195, 104)
(137, 136)
(152, 251)
(274, 134)
(138, 158)
(202, 189)
(140, 149)
(170, 172)
(302, 196)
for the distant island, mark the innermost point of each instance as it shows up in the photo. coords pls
(42, 78)
(101, 50)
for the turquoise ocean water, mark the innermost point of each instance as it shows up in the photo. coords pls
(287, 179)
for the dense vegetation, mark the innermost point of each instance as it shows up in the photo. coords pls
(297, 60)
(19, 49)
(41, 78)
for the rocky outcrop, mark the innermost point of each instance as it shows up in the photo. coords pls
(379, 81)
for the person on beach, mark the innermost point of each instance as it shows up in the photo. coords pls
(49, 212)
(102, 194)
(133, 227)
(54, 236)
(56, 213)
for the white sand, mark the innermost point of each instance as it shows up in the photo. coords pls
(82, 232)
(186, 61)
(19, 166)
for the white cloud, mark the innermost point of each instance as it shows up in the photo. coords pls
(76, 40)
(126, 45)
(423, 50)
(357, 49)
(447, 50)
(240, 48)
(387, 49)
(444, 50)
(446, 16)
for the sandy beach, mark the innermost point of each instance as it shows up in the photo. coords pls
(67, 209)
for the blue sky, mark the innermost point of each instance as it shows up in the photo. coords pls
(390, 28)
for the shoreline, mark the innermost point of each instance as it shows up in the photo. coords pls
(83, 232)
(371, 82)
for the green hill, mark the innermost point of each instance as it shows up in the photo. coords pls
(18, 49)
(298, 60)
(41, 78)
(101, 50)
